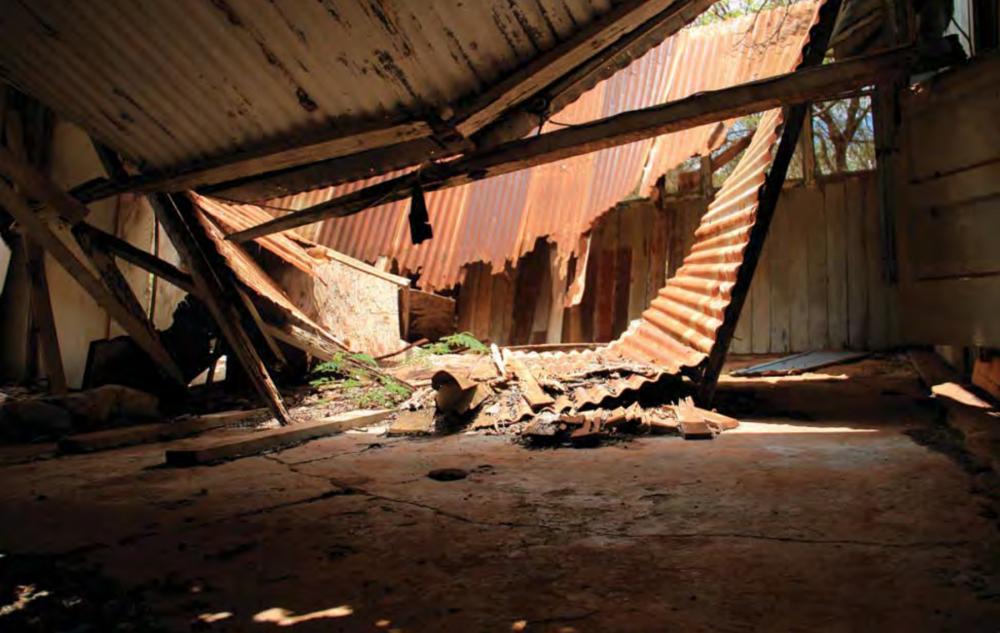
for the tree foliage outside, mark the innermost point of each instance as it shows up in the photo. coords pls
(844, 135)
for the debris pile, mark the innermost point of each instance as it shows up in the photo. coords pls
(575, 399)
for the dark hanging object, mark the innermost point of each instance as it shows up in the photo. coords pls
(420, 225)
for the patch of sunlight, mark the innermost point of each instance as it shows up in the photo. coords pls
(959, 394)
(767, 427)
(284, 617)
(25, 595)
(774, 380)
(208, 618)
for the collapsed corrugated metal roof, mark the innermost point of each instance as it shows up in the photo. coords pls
(169, 84)
(679, 329)
(499, 219)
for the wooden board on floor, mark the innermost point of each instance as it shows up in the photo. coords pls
(261, 441)
(146, 433)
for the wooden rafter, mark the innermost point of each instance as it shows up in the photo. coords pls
(285, 155)
(796, 87)
(512, 123)
(553, 64)
(37, 228)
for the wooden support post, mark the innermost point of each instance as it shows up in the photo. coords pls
(807, 150)
(217, 289)
(41, 313)
(885, 109)
(815, 51)
(38, 230)
(553, 333)
(707, 189)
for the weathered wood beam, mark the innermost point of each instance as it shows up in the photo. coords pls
(729, 154)
(268, 158)
(138, 257)
(510, 125)
(35, 185)
(794, 116)
(553, 64)
(41, 313)
(217, 289)
(519, 120)
(801, 86)
(39, 231)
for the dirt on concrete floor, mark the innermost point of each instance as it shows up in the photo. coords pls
(822, 513)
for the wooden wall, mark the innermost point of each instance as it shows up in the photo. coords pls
(819, 284)
(949, 217)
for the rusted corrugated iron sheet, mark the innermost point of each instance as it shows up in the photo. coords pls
(679, 328)
(247, 270)
(499, 219)
(169, 83)
(235, 217)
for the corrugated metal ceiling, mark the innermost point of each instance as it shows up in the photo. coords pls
(499, 219)
(169, 83)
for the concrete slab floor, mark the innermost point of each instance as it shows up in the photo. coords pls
(837, 521)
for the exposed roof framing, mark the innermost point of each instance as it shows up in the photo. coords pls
(202, 93)
(797, 87)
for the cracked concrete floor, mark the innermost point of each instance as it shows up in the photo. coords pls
(835, 520)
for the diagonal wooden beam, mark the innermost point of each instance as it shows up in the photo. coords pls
(41, 312)
(39, 231)
(794, 116)
(217, 288)
(553, 64)
(511, 124)
(285, 155)
(35, 185)
(797, 87)
(137, 257)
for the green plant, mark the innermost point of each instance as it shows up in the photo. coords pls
(453, 343)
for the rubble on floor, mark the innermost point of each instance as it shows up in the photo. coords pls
(572, 399)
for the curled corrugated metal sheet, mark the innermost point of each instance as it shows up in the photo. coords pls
(169, 83)
(236, 217)
(499, 219)
(679, 328)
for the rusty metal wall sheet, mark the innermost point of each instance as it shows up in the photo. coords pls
(499, 219)
(679, 328)
(169, 83)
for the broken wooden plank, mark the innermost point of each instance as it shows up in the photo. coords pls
(147, 433)
(259, 321)
(419, 422)
(217, 289)
(37, 228)
(274, 439)
(533, 393)
(800, 86)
